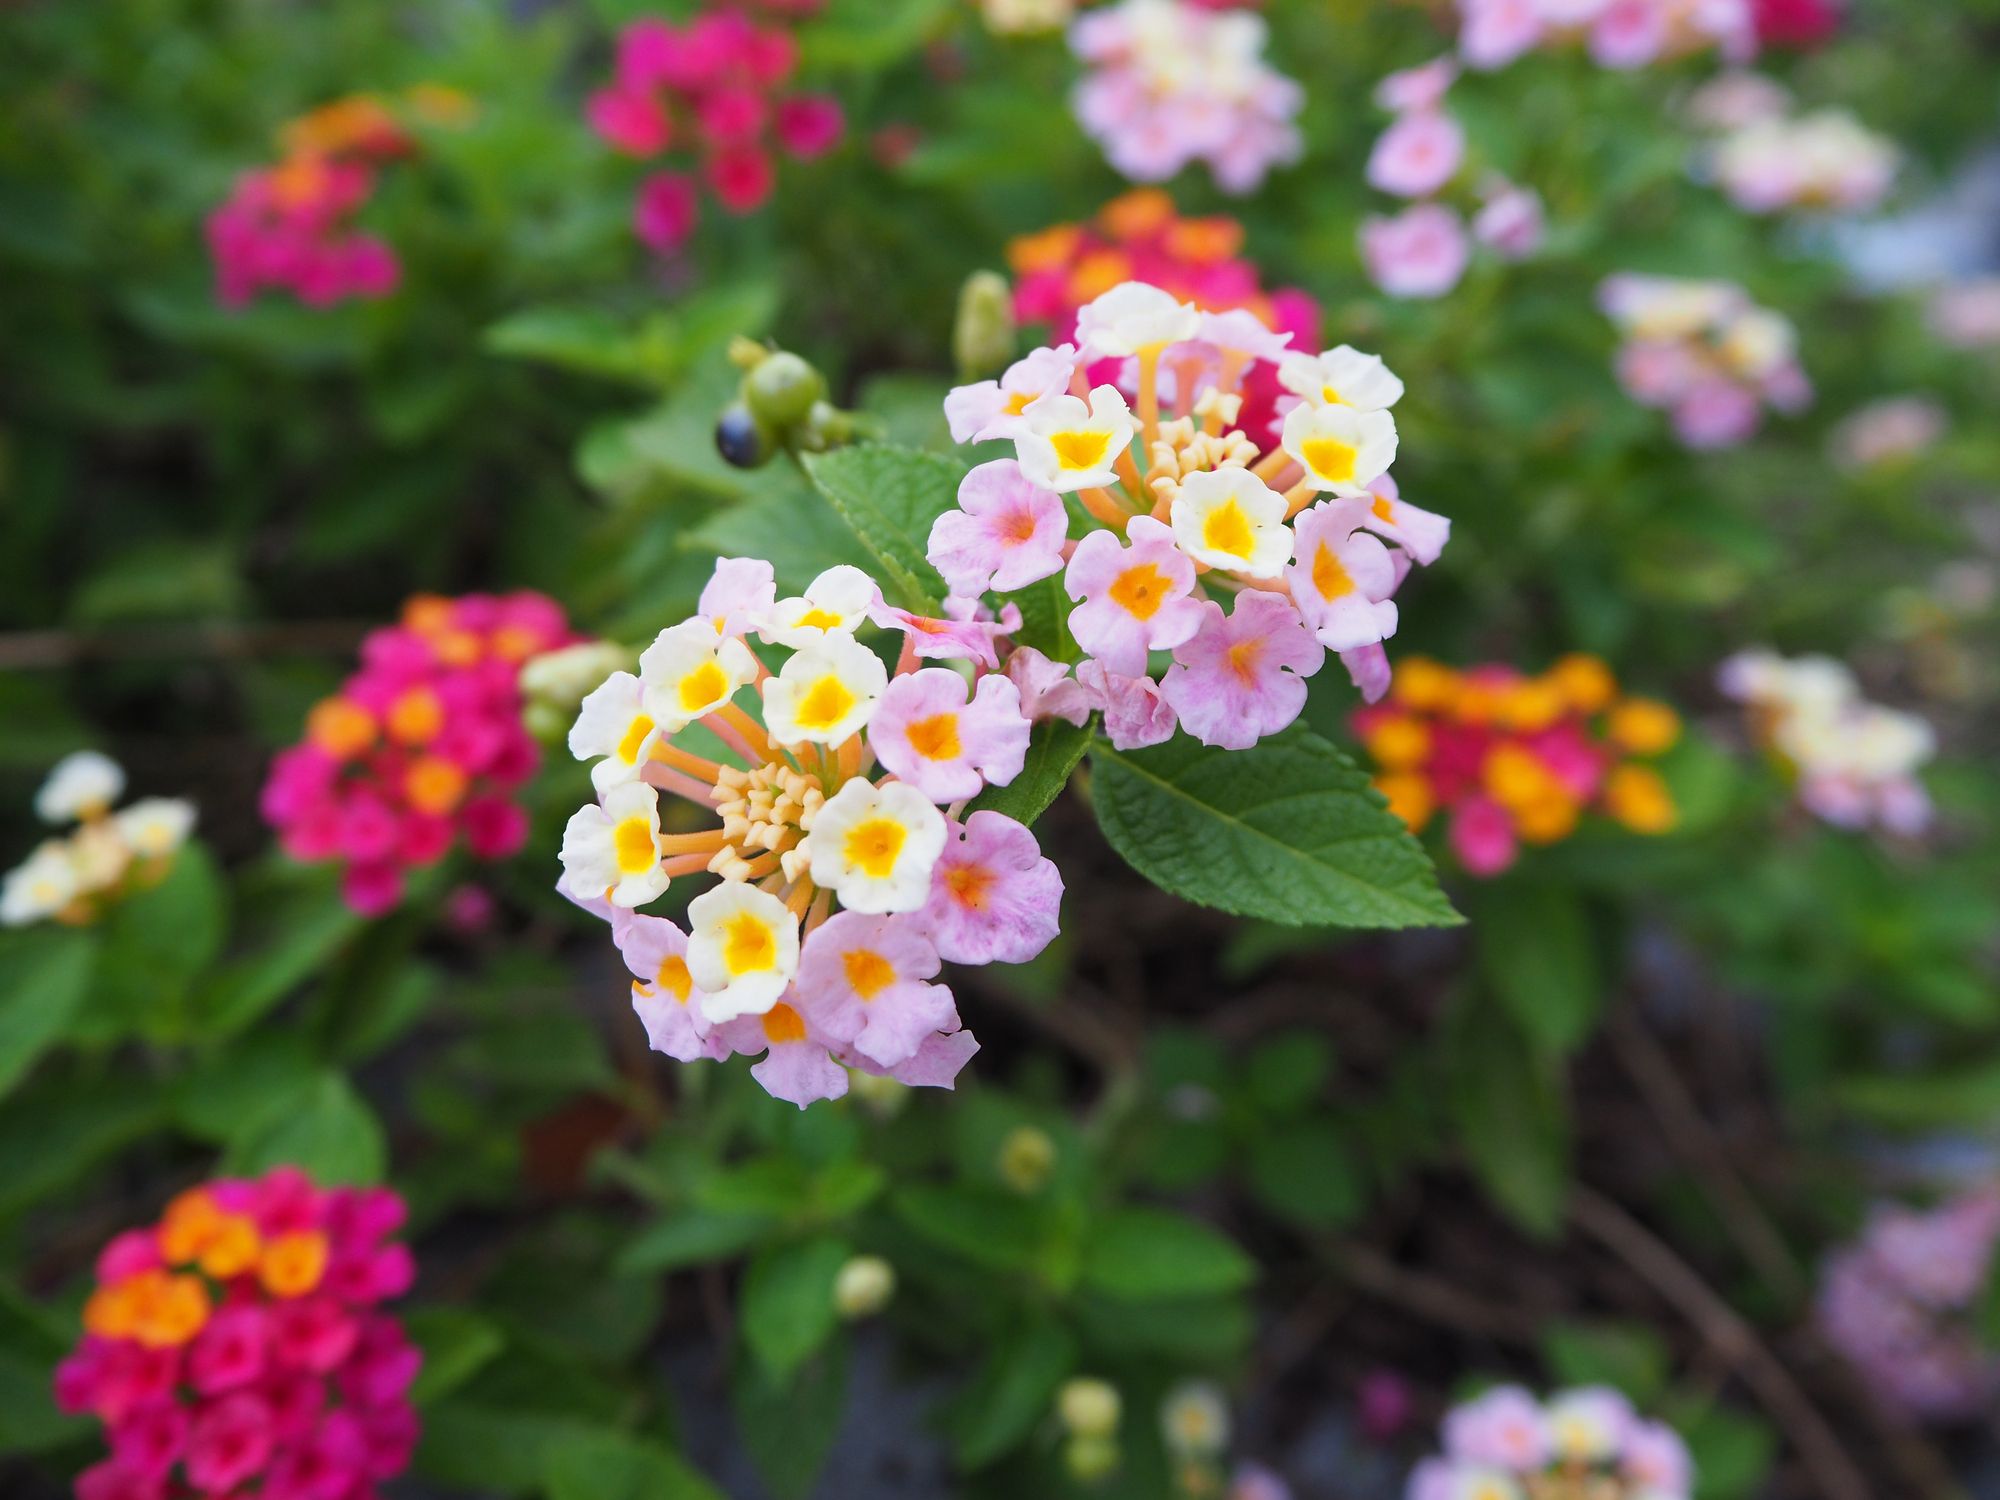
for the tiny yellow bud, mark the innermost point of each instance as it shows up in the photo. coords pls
(863, 1287)
(1089, 1407)
(1027, 1157)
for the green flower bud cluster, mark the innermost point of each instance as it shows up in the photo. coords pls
(780, 405)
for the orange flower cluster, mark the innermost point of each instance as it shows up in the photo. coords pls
(1518, 759)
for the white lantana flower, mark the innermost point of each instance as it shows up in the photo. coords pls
(613, 724)
(836, 602)
(82, 785)
(613, 850)
(690, 671)
(875, 846)
(1072, 446)
(155, 827)
(1341, 377)
(1230, 519)
(1134, 318)
(1340, 447)
(742, 950)
(825, 693)
(39, 887)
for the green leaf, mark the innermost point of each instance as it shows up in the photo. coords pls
(1966, 1094)
(788, 1429)
(1628, 1356)
(44, 975)
(1289, 830)
(1012, 1390)
(1054, 748)
(603, 1465)
(990, 1228)
(1304, 1172)
(691, 1237)
(156, 942)
(788, 1310)
(305, 932)
(330, 1131)
(1732, 1453)
(1535, 949)
(1149, 1255)
(890, 496)
(590, 341)
(1285, 1074)
(1513, 1120)
(457, 1345)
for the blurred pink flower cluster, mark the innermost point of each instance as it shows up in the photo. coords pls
(1768, 159)
(1170, 83)
(1616, 33)
(715, 89)
(424, 744)
(1424, 250)
(241, 1341)
(291, 225)
(1705, 352)
(1586, 1441)
(1899, 1305)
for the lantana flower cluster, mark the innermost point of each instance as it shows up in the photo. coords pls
(424, 745)
(1704, 352)
(1184, 511)
(1140, 236)
(1424, 250)
(239, 1347)
(1506, 1445)
(1616, 33)
(1515, 759)
(1769, 160)
(1170, 83)
(106, 856)
(1901, 1305)
(716, 91)
(849, 870)
(1855, 762)
(291, 226)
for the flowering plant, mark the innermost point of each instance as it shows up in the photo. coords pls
(844, 886)
(1705, 352)
(1768, 160)
(1518, 759)
(1616, 33)
(106, 857)
(715, 87)
(241, 1341)
(1506, 1445)
(424, 744)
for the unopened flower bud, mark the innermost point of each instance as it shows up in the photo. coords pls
(741, 440)
(863, 1287)
(746, 353)
(982, 334)
(560, 680)
(1089, 1407)
(1027, 1157)
(1090, 1459)
(782, 390)
(882, 1096)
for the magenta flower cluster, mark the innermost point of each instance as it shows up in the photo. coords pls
(1171, 83)
(1424, 250)
(716, 90)
(1507, 1445)
(423, 745)
(240, 1347)
(1899, 1304)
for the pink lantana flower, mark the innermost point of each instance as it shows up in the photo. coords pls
(994, 897)
(1243, 676)
(1417, 155)
(1136, 596)
(798, 1065)
(1007, 532)
(929, 733)
(739, 595)
(862, 980)
(1136, 714)
(1419, 532)
(1421, 252)
(1504, 1427)
(1342, 578)
(664, 994)
(992, 408)
(968, 632)
(1047, 690)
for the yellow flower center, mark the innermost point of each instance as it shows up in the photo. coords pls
(783, 1024)
(703, 686)
(1384, 511)
(633, 844)
(674, 977)
(968, 883)
(1018, 402)
(868, 972)
(821, 619)
(873, 846)
(1080, 450)
(1330, 394)
(936, 738)
(825, 704)
(1330, 458)
(635, 736)
(1243, 659)
(749, 946)
(1140, 591)
(1330, 576)
(1227, 529)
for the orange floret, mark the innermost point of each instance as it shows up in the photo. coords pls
(1410, 798)
(416, 717)
(434, 785)
(1645, 726)
(1638, 798)
(340, 727)
(292, 1264)
(1586, 681)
